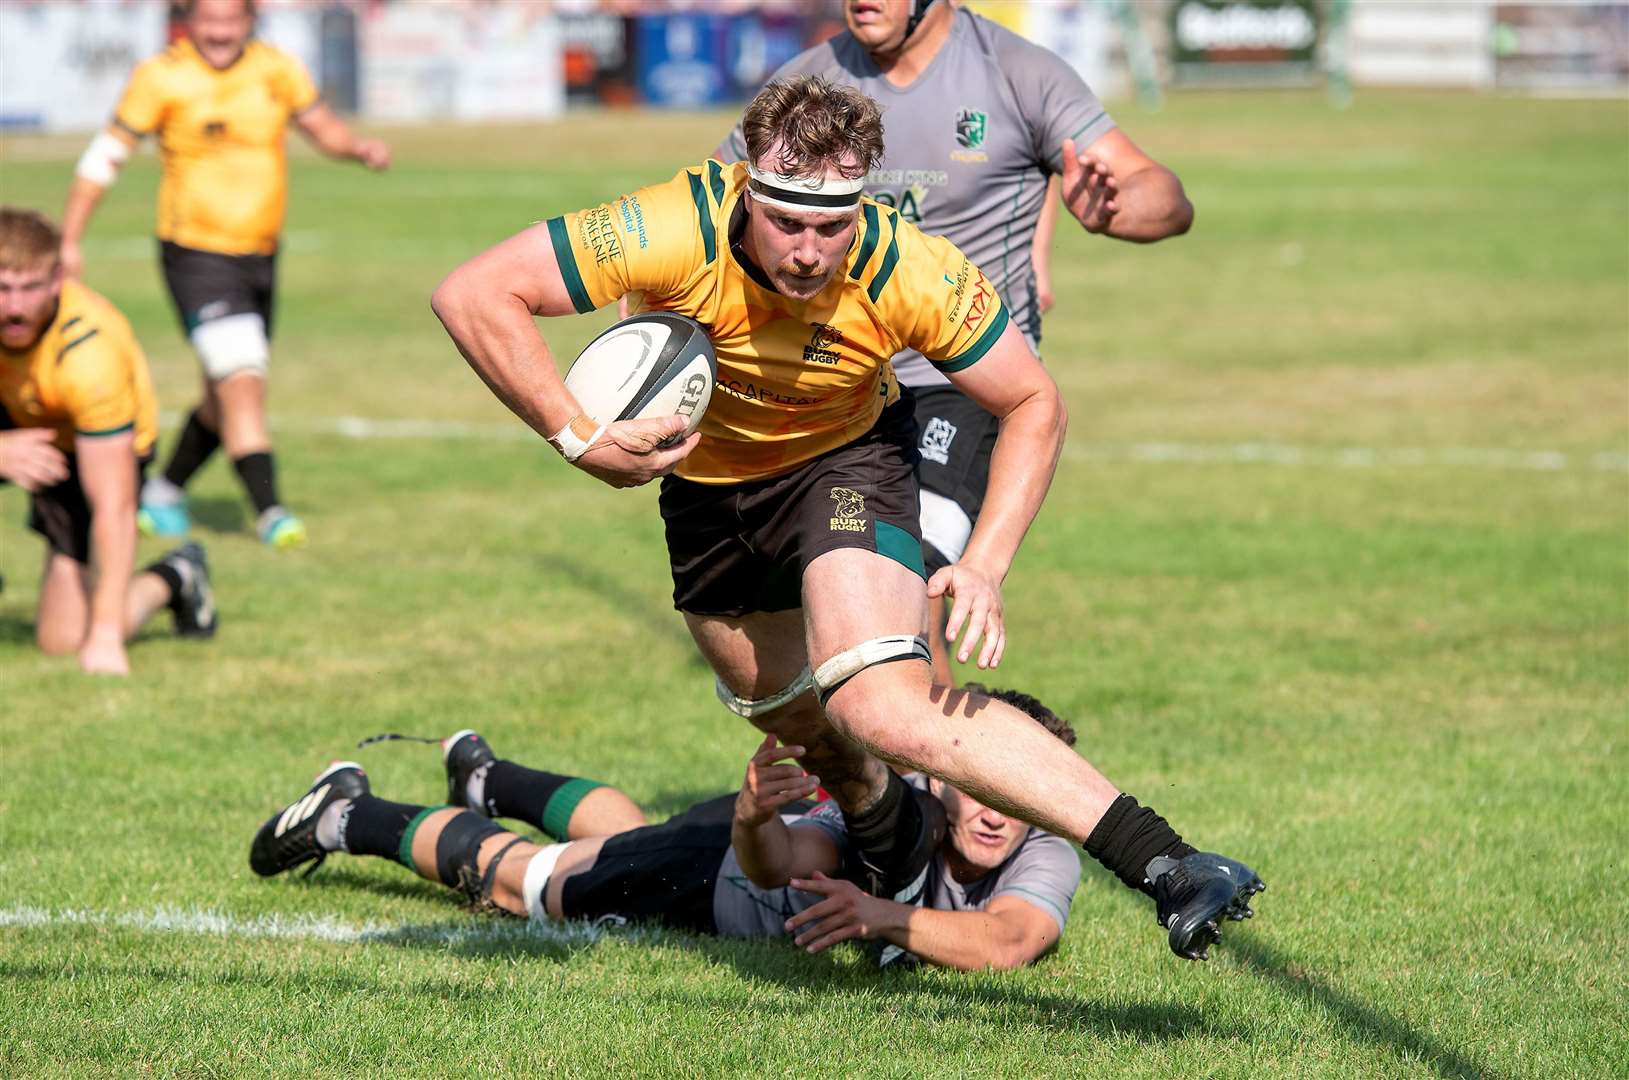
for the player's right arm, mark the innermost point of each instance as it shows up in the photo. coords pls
(771, 852)
(487, 306)
(98, 168)
(140, 112)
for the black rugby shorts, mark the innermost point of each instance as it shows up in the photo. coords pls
(739, 548)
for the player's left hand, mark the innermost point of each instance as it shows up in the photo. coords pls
(103, 654)
(847, 912)
(977, 609)
(1090, 190)
(374, 153)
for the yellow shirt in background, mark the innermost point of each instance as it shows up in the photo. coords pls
(795, 378)
(86, 375)
(220, 136)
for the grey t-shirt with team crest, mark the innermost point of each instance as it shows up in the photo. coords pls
(1043, 871)
(970, 146)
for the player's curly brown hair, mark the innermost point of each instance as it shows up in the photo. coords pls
(28, 240)
(814, 125)
(1031, 708)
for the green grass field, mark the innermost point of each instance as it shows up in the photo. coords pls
(1334, 573)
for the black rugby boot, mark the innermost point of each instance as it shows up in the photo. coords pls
(1194, 894)
(462, 754)
(289, 838)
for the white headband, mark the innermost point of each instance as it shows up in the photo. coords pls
(805, 192)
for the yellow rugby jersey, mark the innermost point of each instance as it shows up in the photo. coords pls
(86, 375)
(795, 378)
(220, 136)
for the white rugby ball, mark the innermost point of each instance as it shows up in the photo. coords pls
(649, 365)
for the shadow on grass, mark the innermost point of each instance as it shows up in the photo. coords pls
(222, 515)
(661, 620)
(1372, 1025)
(16, 630)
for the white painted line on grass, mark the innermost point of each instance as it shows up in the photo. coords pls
(1141, 453)
(167, 920)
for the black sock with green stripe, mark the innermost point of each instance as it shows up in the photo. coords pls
(543, 800)
(380, 827)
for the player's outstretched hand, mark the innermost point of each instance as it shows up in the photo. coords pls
(847, 912)
(29, 460)
(770, 785)
(103, 654)
(976, 608)
(1089, 189)
(634, 452)
(374, 153)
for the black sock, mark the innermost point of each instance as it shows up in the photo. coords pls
(543, 800)
(170, 576)
(259, 476)
(192, 449)
(377, 826)
(1128, 837)
(886, 834)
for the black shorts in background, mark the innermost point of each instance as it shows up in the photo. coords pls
(61, 514)
(739, 548)
(660, 873)
(206, 285)
(958, 439)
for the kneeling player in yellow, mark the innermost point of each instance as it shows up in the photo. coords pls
(792, 514)
(220, 103)
(77, 423)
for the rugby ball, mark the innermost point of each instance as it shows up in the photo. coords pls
(649, 365)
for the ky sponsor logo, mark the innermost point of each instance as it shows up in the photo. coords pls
(822, 343)
(849, 513)
(983, 294)
(936, 440)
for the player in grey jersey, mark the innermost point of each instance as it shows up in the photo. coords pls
(741, 866)
(977, 121)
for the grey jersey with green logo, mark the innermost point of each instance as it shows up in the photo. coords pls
(970, 145)
(1043, 871)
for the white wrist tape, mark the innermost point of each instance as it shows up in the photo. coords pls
(102, 159)
(538, 872)
(576, 437)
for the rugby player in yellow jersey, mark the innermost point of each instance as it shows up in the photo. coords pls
(791, 513)
(77, 422)
(220, 103)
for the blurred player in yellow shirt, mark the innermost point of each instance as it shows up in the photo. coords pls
(77, 423)
(220, 103)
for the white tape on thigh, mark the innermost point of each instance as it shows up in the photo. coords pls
(230, 344)
(538, 872)
(945, 525)
(845, 665)
(748, 709)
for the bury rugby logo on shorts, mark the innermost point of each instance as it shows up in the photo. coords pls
(936, 440)
(849, 515)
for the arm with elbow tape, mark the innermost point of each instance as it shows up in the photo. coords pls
(98, 168)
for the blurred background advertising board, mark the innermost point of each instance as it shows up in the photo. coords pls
(63, 65)
(424, 60)
(1561, 47)
(1245, 42)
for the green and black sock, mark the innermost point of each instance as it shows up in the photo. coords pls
(543, 800)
